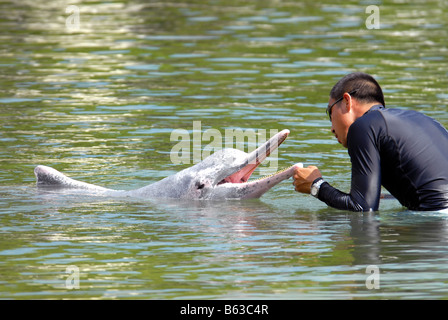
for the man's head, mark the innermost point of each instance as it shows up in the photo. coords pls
(350, 98)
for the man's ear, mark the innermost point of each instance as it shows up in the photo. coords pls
(348, 101)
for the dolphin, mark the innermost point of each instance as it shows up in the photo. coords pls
(223, 175)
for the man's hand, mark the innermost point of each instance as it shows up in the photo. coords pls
(304, 177)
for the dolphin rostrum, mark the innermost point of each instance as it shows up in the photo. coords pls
(222, 175)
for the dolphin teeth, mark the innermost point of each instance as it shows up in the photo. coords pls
(273, 174)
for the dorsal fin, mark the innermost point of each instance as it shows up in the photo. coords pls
(47, 176)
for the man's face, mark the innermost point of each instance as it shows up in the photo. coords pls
(341, 119)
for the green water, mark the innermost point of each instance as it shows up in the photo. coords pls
(100, 103)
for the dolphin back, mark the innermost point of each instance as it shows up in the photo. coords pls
(50, 177)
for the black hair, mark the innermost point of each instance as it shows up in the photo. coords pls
(367, 88)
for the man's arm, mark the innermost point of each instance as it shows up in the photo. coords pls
(304, 179)
(366, 175)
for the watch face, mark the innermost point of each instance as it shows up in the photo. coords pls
(313, 191)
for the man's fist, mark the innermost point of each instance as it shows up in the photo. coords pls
(304, 177)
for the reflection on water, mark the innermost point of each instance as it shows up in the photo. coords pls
(100, 102)
(198, 249)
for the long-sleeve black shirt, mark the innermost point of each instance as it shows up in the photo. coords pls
(403, 150)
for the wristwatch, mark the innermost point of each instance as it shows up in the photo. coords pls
(315, 187)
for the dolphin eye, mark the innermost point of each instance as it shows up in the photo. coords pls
(200, 186)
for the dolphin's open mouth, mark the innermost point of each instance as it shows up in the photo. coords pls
(255, 158)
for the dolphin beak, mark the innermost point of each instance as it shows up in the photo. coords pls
(256, 157)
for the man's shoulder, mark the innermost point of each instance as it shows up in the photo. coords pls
(384, 122)
(372, 118)
(394, 117)
(381, 116)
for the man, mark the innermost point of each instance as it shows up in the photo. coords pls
(403, 150)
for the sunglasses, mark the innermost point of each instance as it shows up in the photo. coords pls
(329, 107)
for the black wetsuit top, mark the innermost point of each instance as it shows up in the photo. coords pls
(403, 150)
